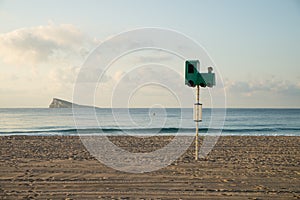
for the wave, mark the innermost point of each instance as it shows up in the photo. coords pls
(148, 130)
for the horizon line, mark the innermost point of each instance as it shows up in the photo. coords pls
(152, 107)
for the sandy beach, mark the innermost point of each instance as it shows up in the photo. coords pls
(239, 167)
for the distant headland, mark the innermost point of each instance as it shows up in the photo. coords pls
(59, 103)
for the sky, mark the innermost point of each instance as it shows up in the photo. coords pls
(254, 44)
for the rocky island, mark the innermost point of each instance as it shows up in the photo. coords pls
(59, 103)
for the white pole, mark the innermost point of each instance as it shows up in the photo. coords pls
(197, 126)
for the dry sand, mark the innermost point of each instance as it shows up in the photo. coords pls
(57, 167)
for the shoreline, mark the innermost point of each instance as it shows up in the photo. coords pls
(150, 135)
(239, 167)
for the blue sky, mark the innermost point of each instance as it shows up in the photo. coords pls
(255, 44)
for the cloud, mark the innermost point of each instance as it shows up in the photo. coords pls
(65, 75)
(272, 86)
(154, 58)
(43, 44)
(149, 84)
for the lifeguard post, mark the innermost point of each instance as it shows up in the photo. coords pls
(193, 78)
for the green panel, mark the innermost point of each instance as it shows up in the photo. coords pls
(193, 77)
(191, 72)
(208, 79)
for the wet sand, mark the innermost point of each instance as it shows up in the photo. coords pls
(59, 167)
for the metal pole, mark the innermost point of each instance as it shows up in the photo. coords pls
(197, 128)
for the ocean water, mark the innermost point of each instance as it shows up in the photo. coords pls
(153, 121)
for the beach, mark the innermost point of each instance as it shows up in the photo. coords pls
(239, 167)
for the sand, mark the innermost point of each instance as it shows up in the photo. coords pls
(59, 167)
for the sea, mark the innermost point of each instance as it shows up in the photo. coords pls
(148, 121)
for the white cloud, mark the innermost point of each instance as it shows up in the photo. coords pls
(273, 86)
(264, 91)
(43, 44)
(44, 59)
(64, 75)
(61, 47)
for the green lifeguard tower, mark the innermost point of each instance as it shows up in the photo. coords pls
(193, 78)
